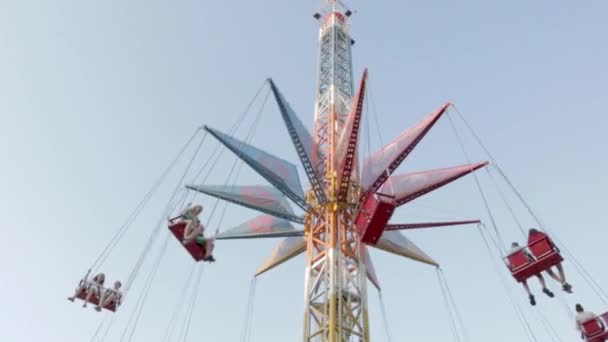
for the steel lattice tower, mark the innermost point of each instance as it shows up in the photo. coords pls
(335, 294)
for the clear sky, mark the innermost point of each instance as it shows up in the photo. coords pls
(96, 98)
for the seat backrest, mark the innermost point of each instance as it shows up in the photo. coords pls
(592, 327)
(518, 260)
(541, 248)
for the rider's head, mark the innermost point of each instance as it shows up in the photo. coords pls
(197, 209)
(117, 285)
(533, 231)
(579, 308)
(514, 244)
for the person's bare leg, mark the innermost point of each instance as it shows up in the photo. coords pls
(106, 298)
(565, 286)
(562, 274)
(546, 291)
(76, 293)
(196, 231)
(90, 293)
(102, 299)
(527, 288)
(209, 247)
(555, 276)
(188, 230)
(530, 295)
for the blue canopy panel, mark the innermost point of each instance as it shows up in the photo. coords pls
(285, 250)
(410, 186)
(302, 141)
(262, 226)
(265, 199)
(278, 172)
(379, 166)
(396, 243)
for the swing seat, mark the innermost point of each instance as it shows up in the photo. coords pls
(594, 330)
(196, 251)
(373, 216)
(546, 256)
(82, 295)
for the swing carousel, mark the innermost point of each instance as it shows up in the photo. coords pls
(345, 210)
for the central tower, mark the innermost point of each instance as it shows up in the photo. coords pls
(335, 294)
(348, 206)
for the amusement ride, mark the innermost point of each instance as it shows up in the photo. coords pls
(345, 211)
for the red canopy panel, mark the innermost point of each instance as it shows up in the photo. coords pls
(410, 186)
(378, 167)
(260, 227)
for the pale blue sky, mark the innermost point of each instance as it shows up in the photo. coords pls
(96, 97)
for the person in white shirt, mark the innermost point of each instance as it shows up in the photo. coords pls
(516, 248)
(582, 316)
(110, 295)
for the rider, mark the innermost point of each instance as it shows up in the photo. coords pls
(91, 288)
(516, 248)
(193, 228)
(582, 316)
(110, 295)
(535, 235)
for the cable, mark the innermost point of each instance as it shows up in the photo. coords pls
(504, 200)
(483, 196)
(245, 332)
(547, 326)
(144, 295)
(387, 329)
(193, 303)
(122, 230)
(180, 302)
(446, 302)
(105, 319)
(107, 330)
(235, 126)
(463, 328)
(166, 213)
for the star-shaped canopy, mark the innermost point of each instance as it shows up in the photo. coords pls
(377, 179)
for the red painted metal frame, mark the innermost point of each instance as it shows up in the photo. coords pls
(594, 330)
(346, 164)
(374, 213)
(422, 225)
(196, 251)
(546, 255)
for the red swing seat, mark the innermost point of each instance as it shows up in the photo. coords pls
(375, 212)
(594, 330)
(196, 251)
(82, 295)
(545, 253)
